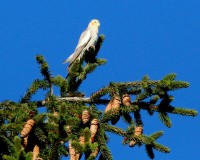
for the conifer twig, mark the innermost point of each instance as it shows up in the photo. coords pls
(74, 99)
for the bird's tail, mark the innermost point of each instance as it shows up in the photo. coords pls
(68, 59)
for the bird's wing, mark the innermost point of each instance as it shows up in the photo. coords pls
(82, 43)
(84, 39)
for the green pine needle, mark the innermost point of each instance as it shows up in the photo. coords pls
(165, 119)
(157, 135)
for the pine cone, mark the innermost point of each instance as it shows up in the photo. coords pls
(27, 128)
(82, 140)
(108, 107)
(93, 129)
(72, 151)
(132, 143)
(25, 141)
(126, 100)
(116, 102)
(36, 151)
(138, 131)
(113, 104)
(85, 116)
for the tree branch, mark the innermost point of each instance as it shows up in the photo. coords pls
(75, 99)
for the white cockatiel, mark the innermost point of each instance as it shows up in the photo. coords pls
(88, 38)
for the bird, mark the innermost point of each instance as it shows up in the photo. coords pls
(88, 38)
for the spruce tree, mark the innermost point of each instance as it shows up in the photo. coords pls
(73, 125)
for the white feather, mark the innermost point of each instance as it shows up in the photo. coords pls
(88, 38)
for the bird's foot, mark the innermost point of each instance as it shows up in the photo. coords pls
(91, 48)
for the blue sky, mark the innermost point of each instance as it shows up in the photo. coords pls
(142, 37)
